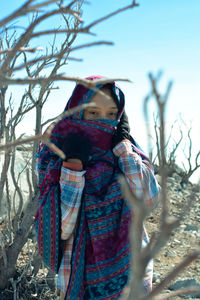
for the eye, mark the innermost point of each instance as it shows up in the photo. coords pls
(94, 113)
(112, 115)
(91, 114)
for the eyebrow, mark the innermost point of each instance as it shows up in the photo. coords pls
(92, 108)
(97, 108)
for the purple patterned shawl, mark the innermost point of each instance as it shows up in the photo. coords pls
(101, 249)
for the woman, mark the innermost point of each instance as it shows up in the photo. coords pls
(83, 221)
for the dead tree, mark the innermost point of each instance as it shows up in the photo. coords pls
(183, 144)
(171, 150)
(192, 167)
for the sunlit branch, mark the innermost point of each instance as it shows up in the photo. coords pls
(23, 49)
(57, 55)
(44, 80)
(88, 27)
(24, 10)
(47, 134)
(27, 35)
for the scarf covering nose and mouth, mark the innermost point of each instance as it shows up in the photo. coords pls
(101, 250)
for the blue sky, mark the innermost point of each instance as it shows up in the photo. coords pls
(157, 35)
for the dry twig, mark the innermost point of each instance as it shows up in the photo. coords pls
(45, 137)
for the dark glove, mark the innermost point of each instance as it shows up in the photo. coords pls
(77, 146)
(122, 131)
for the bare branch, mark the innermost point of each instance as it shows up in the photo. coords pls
(24, 38)
(18, 191)
(44, 4)
(191, 167)
(57, 55)
(161, 104)
(46, 135)
(9, 211)
(3, 244)
(91, 44)
(139, 213)
(87, 29)
(23, 49)
(176, 146)
(29, 184)
(43, 80)
(24, 10)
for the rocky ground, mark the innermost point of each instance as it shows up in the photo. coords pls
(183, 240)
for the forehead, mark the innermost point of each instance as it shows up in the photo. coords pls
(104, 100)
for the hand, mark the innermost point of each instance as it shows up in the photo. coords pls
(76, 146)
(122, 131)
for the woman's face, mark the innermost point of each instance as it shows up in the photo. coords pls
(105, 108)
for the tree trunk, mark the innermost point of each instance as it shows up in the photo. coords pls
(8, 270)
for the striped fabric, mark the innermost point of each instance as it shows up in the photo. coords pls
(48, 228)
(105, 275)
(89, 208)
(48, 218)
